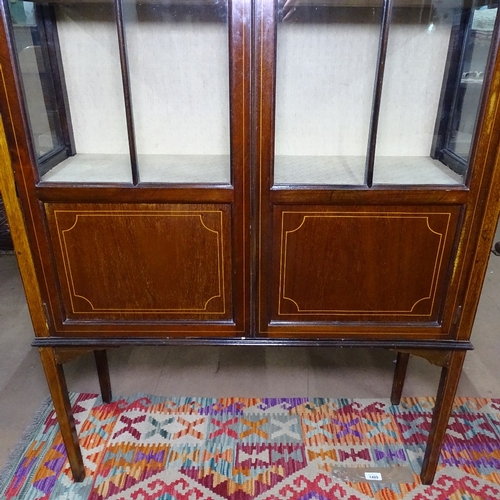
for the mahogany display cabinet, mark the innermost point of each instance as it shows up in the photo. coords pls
(251, 172)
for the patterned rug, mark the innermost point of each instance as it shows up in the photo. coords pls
(154, 448)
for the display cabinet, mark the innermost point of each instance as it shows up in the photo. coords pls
(252, 172)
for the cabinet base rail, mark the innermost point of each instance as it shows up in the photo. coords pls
(103, 342)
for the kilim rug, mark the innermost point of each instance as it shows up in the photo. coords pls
(155, 448)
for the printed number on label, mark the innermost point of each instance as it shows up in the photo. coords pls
(373, 476)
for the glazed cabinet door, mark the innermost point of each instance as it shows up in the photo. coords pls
(132, 125)
(367, 163)
(250, 167)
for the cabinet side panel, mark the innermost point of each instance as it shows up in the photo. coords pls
(362, 264)
(133, 262)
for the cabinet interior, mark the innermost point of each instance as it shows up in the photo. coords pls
(326, 61)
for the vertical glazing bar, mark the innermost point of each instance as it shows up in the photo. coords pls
(126, 90)
(377, 91)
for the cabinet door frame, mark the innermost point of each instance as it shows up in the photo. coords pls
(460, 296)
(35, 196)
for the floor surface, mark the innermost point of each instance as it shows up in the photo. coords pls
(228, 371)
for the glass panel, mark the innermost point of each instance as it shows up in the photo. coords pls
(436, 60)
(88, 45)
(326, 62)
(474, 60)
(178, 57)
(37, 79)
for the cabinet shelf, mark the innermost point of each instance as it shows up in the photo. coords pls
(315, 170)
(350, 170)
(97, 168)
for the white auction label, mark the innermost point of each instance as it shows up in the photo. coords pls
(373, 476)
(483, 19)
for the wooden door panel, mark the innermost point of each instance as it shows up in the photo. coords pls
(361, 264)
(133, 262)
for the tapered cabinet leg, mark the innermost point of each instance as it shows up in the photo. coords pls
(60, 398)
(101, 361)
(450, 376)
(399, 377)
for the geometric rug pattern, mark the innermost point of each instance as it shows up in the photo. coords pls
(146, 447)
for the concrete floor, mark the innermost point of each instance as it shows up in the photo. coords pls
(228, 371)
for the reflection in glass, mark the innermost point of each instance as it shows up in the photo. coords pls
(178, 56)
(325, 69)
(476, 46)
(36, 79)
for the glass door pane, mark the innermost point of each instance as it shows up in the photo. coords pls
(178, 56)
(326, 63)
(436, 60)
(77, 120)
